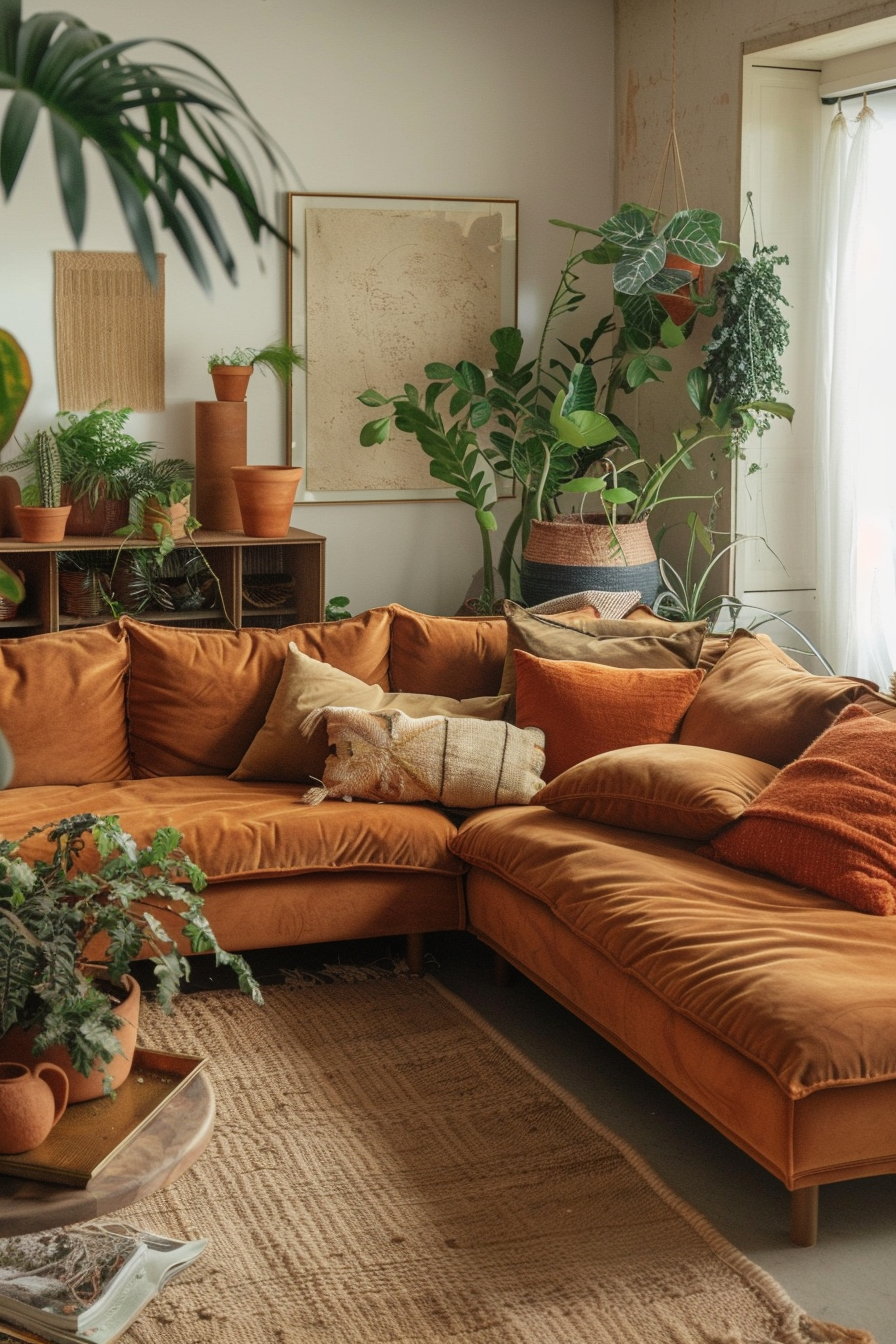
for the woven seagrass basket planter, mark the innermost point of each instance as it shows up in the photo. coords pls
(571, 554)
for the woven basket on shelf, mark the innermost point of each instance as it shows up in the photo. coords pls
(82, 592)
(8, 610)
(268, 590)
(571, 554)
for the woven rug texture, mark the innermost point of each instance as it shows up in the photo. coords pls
(386, 1169)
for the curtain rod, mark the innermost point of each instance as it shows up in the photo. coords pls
(845, 97)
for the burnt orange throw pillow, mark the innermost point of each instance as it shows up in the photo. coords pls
(827, 820)
(584, 709)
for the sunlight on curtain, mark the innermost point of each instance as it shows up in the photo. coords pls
(856, 436)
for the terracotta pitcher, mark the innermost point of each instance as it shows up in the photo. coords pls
(32, 1101)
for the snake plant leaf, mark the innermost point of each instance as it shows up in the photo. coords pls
(15, 385)
(687, 236)
(168, 135)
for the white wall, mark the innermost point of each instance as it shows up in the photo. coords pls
(509, 99)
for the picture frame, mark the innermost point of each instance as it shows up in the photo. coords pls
(377, 287)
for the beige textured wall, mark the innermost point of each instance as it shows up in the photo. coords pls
(712, 38)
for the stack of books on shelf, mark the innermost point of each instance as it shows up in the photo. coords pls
(84, 1284)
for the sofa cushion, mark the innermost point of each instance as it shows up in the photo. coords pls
(584, 709)
(799, 983)
(829, 820)
(197, 698)
(665, 788)
(62, 706)
(623, 643)
(756, 702)
(282, 750)
(460, 656)
(459, 762)
(235, 830)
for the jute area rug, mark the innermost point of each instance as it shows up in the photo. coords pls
(386, 1169)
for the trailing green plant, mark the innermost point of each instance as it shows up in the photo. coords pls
(688, 593)
(87, 911)
(98, 456)
(39, 457)
(337, 609)
(166, 481)
(280, 357)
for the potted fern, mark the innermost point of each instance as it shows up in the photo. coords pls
(231, 373)
(41, 516)
(72, 918)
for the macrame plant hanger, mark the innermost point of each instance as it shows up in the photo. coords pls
(671, 155)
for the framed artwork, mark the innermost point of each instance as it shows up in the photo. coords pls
(378, 287)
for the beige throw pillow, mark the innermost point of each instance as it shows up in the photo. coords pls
(281, 751)
(389, 757)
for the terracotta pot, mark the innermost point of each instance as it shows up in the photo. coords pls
(47, 525)
(266, 496)
(172, 517)
(680, 306)
(231, 381)
(220, 444)
(32, 1101)
(94, 520)
(16, 1046)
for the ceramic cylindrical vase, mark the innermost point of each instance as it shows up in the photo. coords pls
(267, 496)
(42, 525)
(231, 381)
(16, 1047)
(570, 555)
(221, 428)
(32, 1101)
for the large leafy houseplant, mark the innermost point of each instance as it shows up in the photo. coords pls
(99, 457)
(81, 915)
(558, 424)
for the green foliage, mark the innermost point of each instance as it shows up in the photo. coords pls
(15, 385)
(96, 880)
(99, 456)
(165, 134)
(39, 456)
(743, 358)
(280, 357)
(337, 609)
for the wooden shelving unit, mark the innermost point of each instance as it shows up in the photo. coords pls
(232, 555)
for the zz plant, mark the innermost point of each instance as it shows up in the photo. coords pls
(88, 910)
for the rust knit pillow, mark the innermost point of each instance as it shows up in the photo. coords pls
(584, 709)
(827, 820)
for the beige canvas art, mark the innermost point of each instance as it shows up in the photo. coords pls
(388, 291)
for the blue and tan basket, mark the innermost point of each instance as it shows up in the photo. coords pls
(572, 553)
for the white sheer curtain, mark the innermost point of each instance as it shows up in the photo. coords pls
(855, 385)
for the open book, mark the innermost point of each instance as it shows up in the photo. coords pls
(84, 1283)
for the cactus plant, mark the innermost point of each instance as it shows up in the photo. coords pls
(47, 469)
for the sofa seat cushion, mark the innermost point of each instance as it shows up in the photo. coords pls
(236, 830)
(796, 981)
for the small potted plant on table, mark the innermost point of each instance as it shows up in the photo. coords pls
(75, 919)
(231, 373)
(41, 515)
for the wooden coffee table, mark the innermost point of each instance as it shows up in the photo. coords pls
(155, 1157)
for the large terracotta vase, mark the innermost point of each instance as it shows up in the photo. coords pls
(570, 555)
(231, 381)
(32, 1101)
(266, 496)
(42, 525)
(16, 1047)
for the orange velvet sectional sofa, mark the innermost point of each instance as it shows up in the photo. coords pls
(769, 1009)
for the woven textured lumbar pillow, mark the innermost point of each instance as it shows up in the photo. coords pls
(826, 821)
(281, 749)
(389, 757)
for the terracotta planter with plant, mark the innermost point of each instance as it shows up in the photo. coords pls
(231, 381)
(42, 516)
(79, 900)
(162, 518)
(266, 496)
(231, 373)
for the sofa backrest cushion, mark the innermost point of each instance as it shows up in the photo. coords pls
(756, 702)
(62, 706)
(197, 698)
(460, 656)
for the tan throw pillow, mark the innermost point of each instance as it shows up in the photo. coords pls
(756, 702)
(613, 643)
(282, 752)
(388, 757)
(666, 789)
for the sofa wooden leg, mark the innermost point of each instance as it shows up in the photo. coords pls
(502, 971)
(414, 953)
(804, 1216)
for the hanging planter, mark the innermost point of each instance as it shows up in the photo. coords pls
(266, 496)
(680, 305)
(572, 554)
